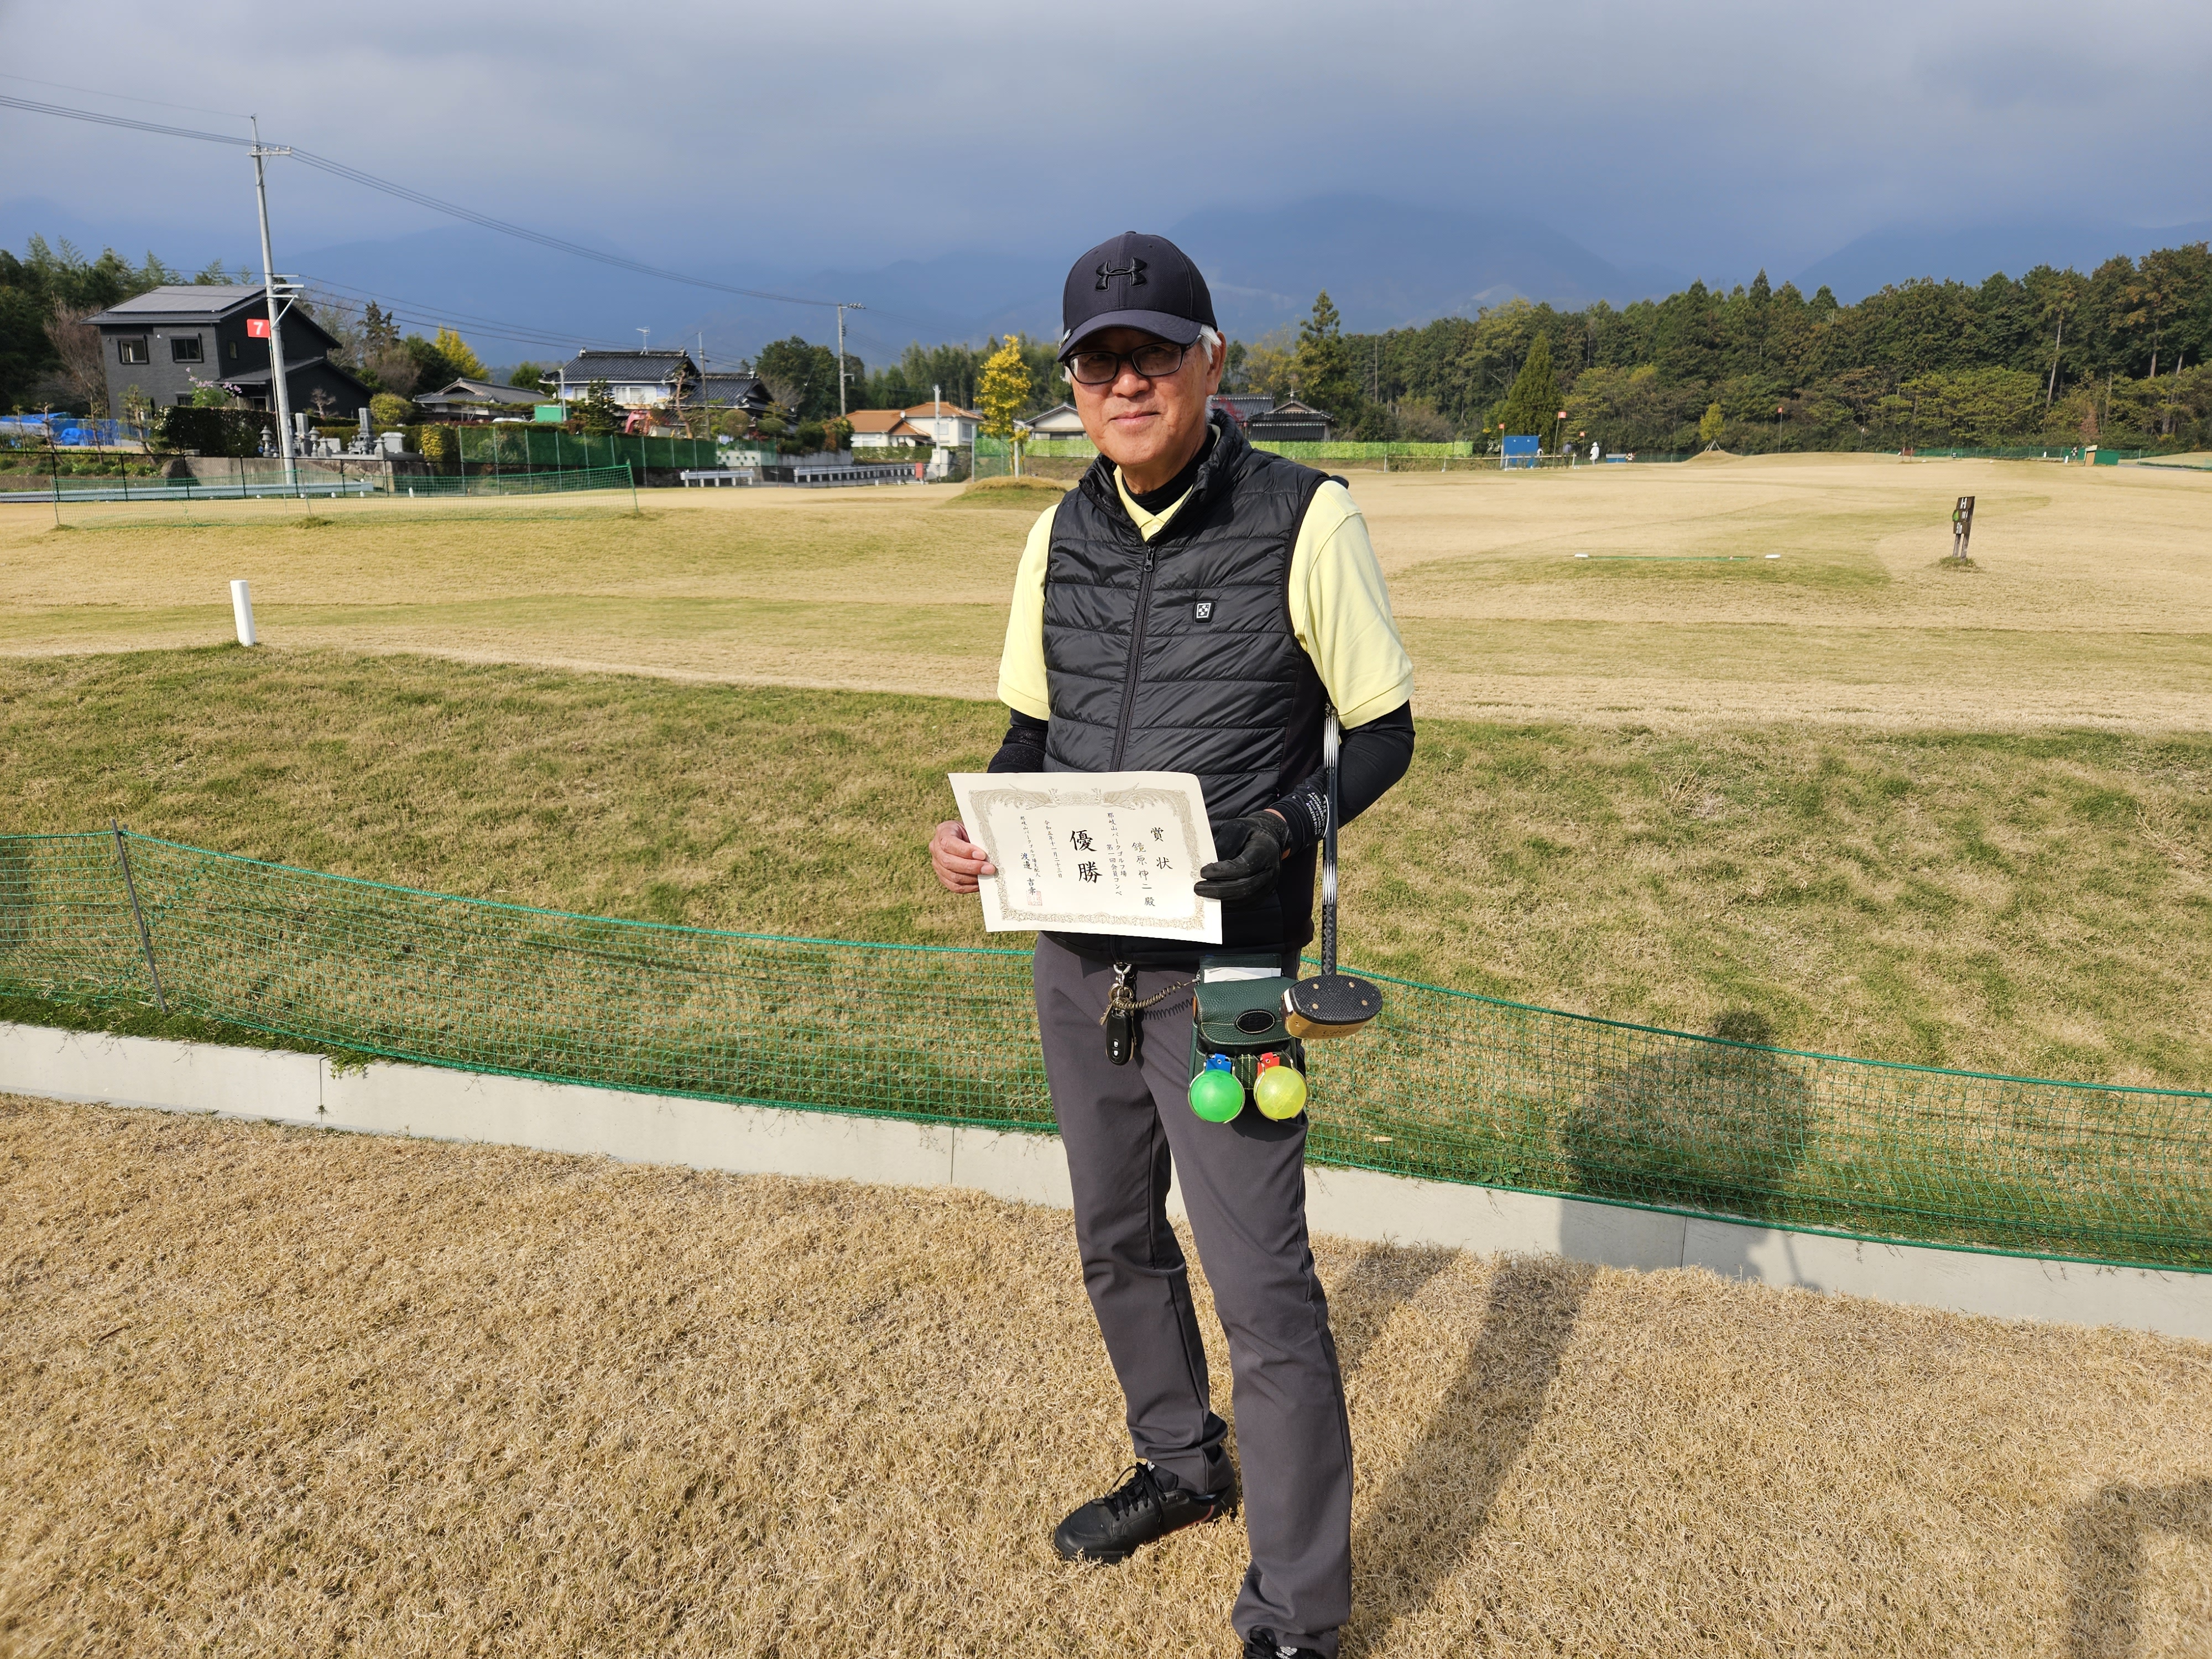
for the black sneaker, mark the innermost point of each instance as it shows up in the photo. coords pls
(1262, 1644)
(1145, 1506)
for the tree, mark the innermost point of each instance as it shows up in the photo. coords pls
(426, 367)
(802, 378)
(1532, 406)
(527, 375)
(596, 411)
(1325, 379)
(1709, 425)
(380, 358)
(387, 409)
(1005, 392)
(76, 344)
(455, 350)
(1270, 365)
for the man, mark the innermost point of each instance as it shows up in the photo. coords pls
(1195, 606)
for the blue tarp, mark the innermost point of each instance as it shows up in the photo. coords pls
(80, 431)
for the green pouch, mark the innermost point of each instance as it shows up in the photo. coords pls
(1240, 1013)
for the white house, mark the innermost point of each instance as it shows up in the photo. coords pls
(880, 428)
(635, 379)
(945, 424)
(1061, 420)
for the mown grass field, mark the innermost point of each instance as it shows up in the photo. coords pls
(280, 1393)
(2092, 605)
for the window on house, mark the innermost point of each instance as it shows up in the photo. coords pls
(131, 351)
(186, 349)
(234, 351)
(183, 398)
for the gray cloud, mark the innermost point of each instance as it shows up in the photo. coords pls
(1713, 137)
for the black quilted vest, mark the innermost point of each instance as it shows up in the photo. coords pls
(1176, 655)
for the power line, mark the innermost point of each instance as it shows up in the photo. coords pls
(405, 193)
(418, 312)
(37, 108)
(127, 98)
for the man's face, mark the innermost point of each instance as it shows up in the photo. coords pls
(1143, 425)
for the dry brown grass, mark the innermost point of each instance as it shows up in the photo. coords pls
(273, 1392)
(2092, 603)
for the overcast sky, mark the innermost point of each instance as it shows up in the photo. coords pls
(1712, 137)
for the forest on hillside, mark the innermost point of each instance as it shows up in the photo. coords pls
(2116, 357)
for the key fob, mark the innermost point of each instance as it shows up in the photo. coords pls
(1120, 1036)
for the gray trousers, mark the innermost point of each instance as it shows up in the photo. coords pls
(1129, 1129)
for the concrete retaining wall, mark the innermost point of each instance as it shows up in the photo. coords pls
(454, 1105)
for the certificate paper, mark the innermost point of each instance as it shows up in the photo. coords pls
(1093, 852)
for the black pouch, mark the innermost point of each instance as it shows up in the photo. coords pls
(1237, 1010)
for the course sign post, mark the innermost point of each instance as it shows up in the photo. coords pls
(1962, 527)
(1521, 450)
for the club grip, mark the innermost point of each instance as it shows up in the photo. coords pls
(1331, 741)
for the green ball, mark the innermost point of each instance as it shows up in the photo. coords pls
(1217, 1095)
(1279, 1092)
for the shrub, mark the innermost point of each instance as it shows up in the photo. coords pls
(200, 431)
(388, 409)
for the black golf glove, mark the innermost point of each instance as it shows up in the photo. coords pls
(1251, 859)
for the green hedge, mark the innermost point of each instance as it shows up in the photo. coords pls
(226, 432)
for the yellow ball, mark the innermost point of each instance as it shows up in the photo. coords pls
(1279, 1092)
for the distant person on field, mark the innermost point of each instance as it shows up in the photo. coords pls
(1194, 606)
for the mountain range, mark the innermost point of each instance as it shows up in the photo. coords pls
(1385, 263)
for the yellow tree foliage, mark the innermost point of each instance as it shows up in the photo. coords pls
(1005, 392)
(455, 350)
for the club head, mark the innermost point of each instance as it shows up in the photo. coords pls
(1330, 1005)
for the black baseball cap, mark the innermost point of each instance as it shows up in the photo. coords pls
(1134, 281)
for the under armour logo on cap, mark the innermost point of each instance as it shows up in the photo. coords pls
(1134, 271)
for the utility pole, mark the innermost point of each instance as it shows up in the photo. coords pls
(843, 306)
(2056, 347)
(277, 375)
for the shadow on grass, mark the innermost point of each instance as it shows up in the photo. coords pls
(1425, 1520)
(2104, 1552)
(1383, 1281)
(1715, 1127)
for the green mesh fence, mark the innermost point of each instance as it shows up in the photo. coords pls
(1445, 1084)
(419, 485)
(491, 445)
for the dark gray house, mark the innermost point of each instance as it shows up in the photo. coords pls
(1290, 422)
(466, 399)
(171, 341)
(1240, 406)
(729, 389)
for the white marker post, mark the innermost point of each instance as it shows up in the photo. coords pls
(241, 610)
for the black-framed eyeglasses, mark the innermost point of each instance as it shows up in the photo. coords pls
(1152, 360)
